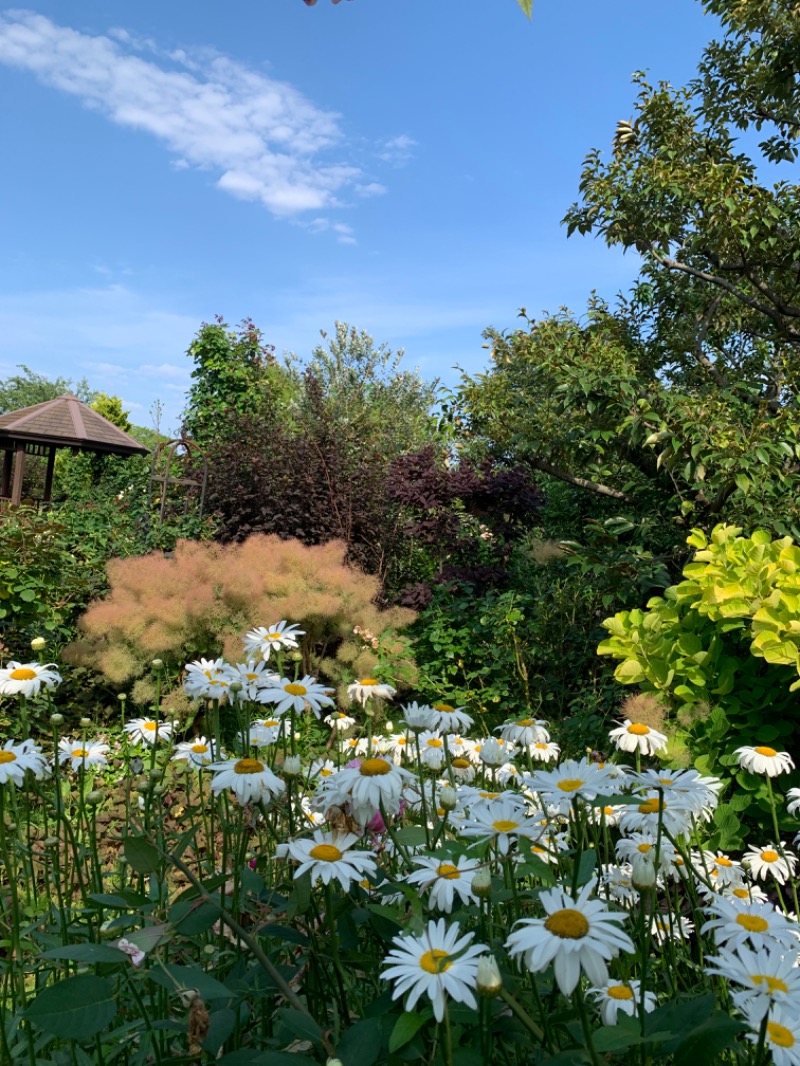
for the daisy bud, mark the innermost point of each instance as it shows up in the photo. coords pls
(492, 753)
(643, 872)
(159, 790)
(447, 797)
(57, 720)
(156, 774)
(85, 723)
(143, 787)
(38, 643)
(296, 656)
(94, 799)
(488, 982)
(122, 697)
(292, 766)
(482, 882)
(390, 727)
(50, 842)
(157, 664)
(334, 1062)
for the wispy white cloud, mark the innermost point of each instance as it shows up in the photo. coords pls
(265, 140)
(397, 150)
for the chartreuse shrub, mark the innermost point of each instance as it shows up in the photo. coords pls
(724, 647)
(203, 599)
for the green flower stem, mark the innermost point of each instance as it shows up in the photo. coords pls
(577, 999)
(779, 846)
(522, 1014)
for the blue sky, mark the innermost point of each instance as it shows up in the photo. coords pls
(401, 165)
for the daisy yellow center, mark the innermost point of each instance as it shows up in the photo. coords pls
(7, 756)
(741, 893)
(446, 708)
(199, 749)
(620, 992)
(374, 768)
(638, 729)
(568, 924)
(22, 673)
(722, 861)
(435, 961)
(488, 795)
(570, 784)
(526, 722)
(752, 923)
(79, 753)
(248, 766)
(540, 746)
(325, 853)
(769, 855)
(665, 780)
(325, 773)
(644, 848)
(368, 681)
(652, 806)
(295, 690)
(505, 826)
(769, 752)
(448, 871)
(271, 723)
(460, 764)
(774, 984)
(780, 1035)
(251, 677)
(150, 726)
(273, 636)
(434, 742)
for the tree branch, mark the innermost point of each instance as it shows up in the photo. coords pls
(581, 482)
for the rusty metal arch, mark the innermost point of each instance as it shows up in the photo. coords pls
(179, 454)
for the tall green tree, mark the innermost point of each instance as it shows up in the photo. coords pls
(30, 387)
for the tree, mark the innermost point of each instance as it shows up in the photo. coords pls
(684, 397)
(29, 388)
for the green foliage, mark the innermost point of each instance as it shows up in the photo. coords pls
(723, 647)
(29, 388)
(233, 371)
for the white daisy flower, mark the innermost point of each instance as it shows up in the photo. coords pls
(266, 731)
(199, 752)
(617, 883)
(207, 679)
(765, 760)
(445, 880)
(793, 806)
(636, 736)
(417, 716)
(322, 768)
(252, 676)
(462, 769)
(263, 640)
(722, 869)
(637, 844)
(571, 780)
(338, 721)
(449, 719)
(368, 688)
(613, 997)
(298, 695)
(502, 821)
(544, 751)
(738, 923)
(492, 752)
(770, 862)
(666, 926)
(80, 755)
(15, 759)
(577, 934)
(782, 1033)
(768, 977)
(148, 730)
(431, 747)
(26, 679)
(250, 780)
(438, 964)
(375, 783)
(328, 858)
(673, 812)
(524, 731)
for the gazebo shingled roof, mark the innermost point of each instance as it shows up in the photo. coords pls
(64, 422)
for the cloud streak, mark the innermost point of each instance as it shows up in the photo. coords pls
(263, 138)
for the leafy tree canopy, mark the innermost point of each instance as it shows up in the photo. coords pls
(29, 388)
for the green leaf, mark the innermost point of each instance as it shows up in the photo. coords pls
(141, 855)
(75, 1008)
(184, 978)
(527, 6)
(406, 1028)
(360, 1045)
(86, 953)
(300, 1025)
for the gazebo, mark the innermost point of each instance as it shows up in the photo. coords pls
(65, 422)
